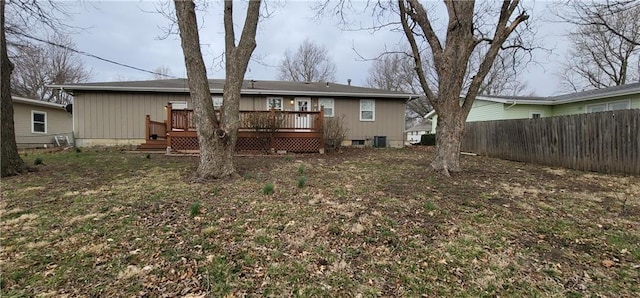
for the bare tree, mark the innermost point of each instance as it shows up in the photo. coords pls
(310, 63)
(162, 73)
(598, 13)
(10, 162)
(217, 136)
(605, 48)
(469, 29)
(39, 65)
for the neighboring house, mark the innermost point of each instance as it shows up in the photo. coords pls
(415, 133)
(37, 123)
(487, 108)
(113, 113)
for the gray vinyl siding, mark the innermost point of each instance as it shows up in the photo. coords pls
(121, 115)
(389, 119)
(58, 122)
(110, 115)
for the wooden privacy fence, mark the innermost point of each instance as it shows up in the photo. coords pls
(607, 142)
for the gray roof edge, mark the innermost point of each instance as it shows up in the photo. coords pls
(36, 102)
(244, 91)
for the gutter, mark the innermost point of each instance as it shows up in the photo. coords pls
(71, 88)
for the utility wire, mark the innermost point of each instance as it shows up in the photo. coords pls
(94, 56)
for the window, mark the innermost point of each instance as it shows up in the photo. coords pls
(357, 142)
(178, 105)
(327, 104)
(274, 103)
(620, 105)
(38, 122)
(367, 110)
(608, 106)
(217, 102)
(535, 115)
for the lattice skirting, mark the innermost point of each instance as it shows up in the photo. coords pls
(289, 144)
(184, 143)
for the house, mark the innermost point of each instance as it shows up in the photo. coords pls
(415, 133)
(487, 108)
(115, 113)
(37, 123)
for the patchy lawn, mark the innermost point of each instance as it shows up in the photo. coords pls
(360, 223)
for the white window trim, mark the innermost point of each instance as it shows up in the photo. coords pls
(333, 106)
(180, 102)
(213, 100)
(535, 112)
(45, 122)
(271, 98)
(373, 118)
(606, 104)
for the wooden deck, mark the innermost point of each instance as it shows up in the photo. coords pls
(261, 131)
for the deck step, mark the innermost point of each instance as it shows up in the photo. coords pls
(153, 145)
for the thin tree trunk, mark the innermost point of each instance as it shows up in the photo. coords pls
(216, 143)
(11, 163)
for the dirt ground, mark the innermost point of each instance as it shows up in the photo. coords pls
(361, 222)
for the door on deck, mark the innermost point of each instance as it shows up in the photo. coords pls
(303, 120)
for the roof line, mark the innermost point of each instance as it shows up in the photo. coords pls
(37, 102)
(220, 91)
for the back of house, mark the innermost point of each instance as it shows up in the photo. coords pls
(113, 113)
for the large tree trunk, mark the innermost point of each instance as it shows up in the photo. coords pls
(216, 144)
(448, 140)
(11, 163)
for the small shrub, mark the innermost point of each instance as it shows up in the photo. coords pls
(301, 169)
(334, 131)
(428, 140)
(302, 181)
(215, 191)
(268, 189)
(38, 161)
(194, 210)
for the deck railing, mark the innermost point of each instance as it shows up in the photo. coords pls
(272, 120)
(155, 130)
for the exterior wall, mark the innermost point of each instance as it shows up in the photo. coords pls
(118, 118)
(389, 121)
(105, 118)
(580, 107)
(520, 111)
(59, 122)
(485, 111)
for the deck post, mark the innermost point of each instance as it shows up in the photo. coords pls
(320, 128)
(147, 127)
(272, 121)
(169, 124)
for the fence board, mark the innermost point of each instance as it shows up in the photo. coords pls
(607, 142)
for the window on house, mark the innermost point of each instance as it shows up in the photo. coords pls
(357, 142)
(367, 110)
(327, 104)
(535, 115)
(274, 103)
(38, 122)
(608, 106)
(620, 105)
(217, 102)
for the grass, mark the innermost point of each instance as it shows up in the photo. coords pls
(373, 223)
(302, 181)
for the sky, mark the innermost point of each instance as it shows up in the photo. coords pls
(128, 32)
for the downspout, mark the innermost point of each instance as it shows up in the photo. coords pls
(511, 106)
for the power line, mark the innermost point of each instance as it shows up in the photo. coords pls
(94, 56)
